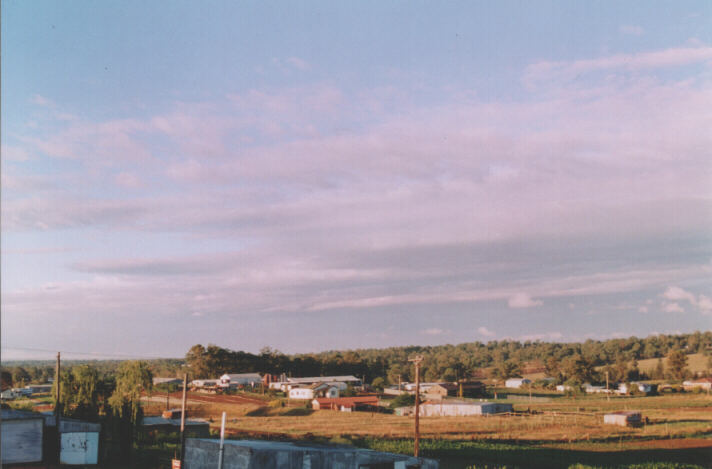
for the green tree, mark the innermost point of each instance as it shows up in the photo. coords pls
(20, 376)
(132, 378)
(402, 400)
(378, 383)
(677, 364)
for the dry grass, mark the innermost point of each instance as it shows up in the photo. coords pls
(697, 363)
(566, 420)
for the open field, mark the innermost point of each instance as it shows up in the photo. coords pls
(558, 433)
(696, 363)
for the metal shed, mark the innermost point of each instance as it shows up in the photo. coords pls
(21, 437)
(453, 409)
(79, 440)
(625, 418)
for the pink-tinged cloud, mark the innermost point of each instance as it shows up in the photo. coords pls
(541, 72)
(523, 300)
(673, 308)
(485, 332)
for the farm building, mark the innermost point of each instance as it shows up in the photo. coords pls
(38, 389)
(516, 383)
(701, 383)
(623, 418)
(346, 380)
(10, 394)
(345, 404)
(244, 454)
(624, 388)
(591, 389)
(21, 437)
(204, 383)
(440, 390)
(240, 379)
(315, 390)
(564, 387)
(452, 409)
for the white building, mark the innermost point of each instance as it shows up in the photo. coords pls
(564, 387)
(240, 379)
(516, 383)
(456, 409)
(315, 390)
(204, 383)
(642, 387)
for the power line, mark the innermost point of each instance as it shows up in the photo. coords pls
(97, 354)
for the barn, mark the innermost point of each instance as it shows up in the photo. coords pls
(21, 437)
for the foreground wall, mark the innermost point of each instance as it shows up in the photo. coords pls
(252, 454)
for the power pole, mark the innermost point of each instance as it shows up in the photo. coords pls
(608, 394)
(399, 383)
(182, 420)
(58, 410)
(417, 360)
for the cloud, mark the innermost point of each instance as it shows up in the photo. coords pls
(485, 332)
(704, 303)
(296, 62)
(631, 30)
(545, 71)
(40, 100)
(523, 300)
(433, 331)
(673, 308)
(678, 294)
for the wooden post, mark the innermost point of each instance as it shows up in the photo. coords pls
(57, 409)
(608, 394)
(399, 383)
(417, 360)
(182, 419)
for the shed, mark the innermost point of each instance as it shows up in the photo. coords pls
(79, 439)
(702, 383)
(454, 409)
(240, 379)
(624, 418)
(346, 404)
(21, 436)
(247, 454)
(516, 383)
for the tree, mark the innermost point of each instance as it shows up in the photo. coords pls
(81, 393)
(20, 376)
(6, 380)
(659, 371)
(378, 383)
(132, 378)
(677, 364)
(402, 400)
(578, 368)
(196, 359)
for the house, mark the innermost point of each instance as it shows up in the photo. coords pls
(346, 404)
(591, 389)
(453, 409)
(21, 437)
(564, 387)
(10, 394)
(240, 379)
(244, 454)
(516, 383)
(624, 388)
(623, 418)
(701, 383)
(38, 389)
(440, 390)
(304, 392)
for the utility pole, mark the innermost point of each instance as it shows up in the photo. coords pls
(182, 420)
(399, 383)
(57, 410)
(417, 360)
(608, 394)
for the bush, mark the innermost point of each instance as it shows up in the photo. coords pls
(403, 400)
(276, 403)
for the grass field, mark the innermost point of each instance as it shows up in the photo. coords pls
(559, 433)
(696, 363)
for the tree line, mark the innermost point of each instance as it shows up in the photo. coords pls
(576, 361)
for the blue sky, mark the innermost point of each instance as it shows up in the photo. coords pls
(323, 175)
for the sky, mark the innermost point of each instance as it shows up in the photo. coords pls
(330, 175)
